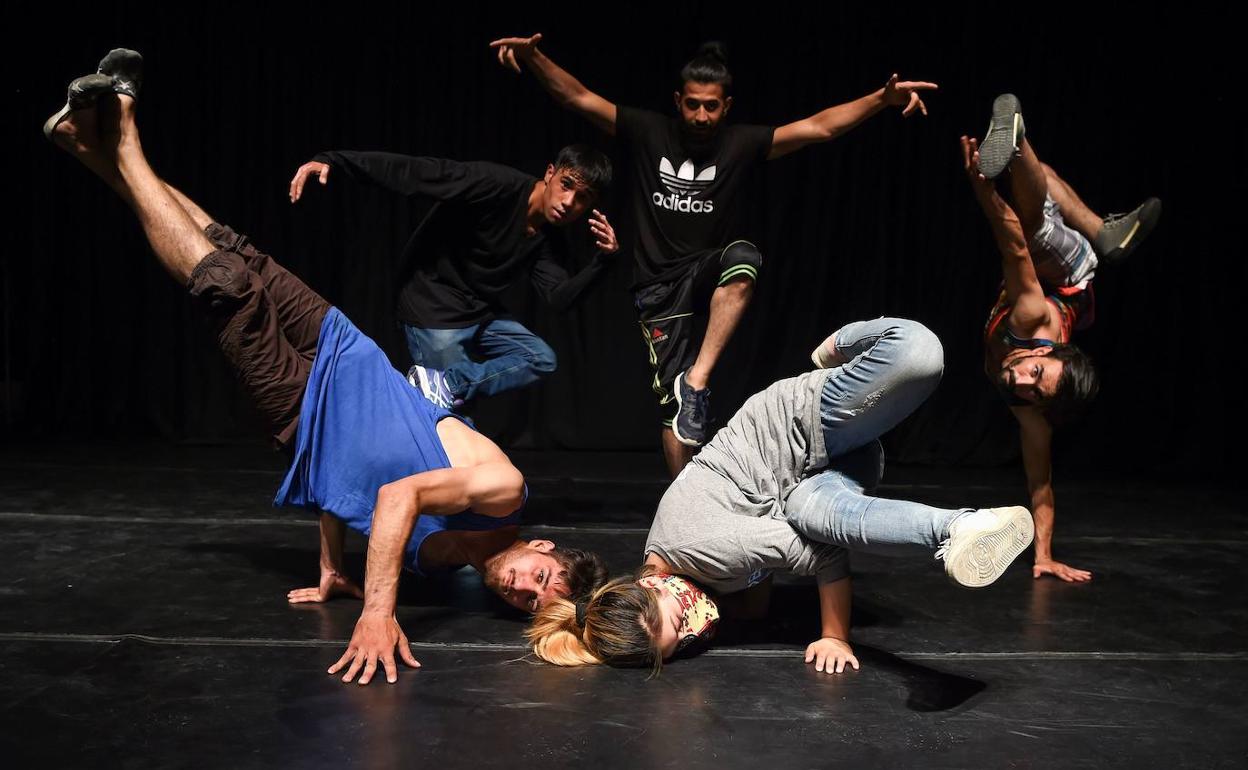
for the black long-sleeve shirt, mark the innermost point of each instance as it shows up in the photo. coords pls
(474, 244)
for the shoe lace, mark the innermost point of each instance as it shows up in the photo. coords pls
(944, 548)
(1112, 219)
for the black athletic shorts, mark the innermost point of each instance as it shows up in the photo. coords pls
(673, 312)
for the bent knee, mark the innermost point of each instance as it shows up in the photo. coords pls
(542, 359)
(221, 276)
(924, 355)
(740, 263)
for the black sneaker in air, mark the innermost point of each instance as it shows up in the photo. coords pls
(126, 68)
(1121, 233)
(83, 93)
(1004, 137)
(692, 425)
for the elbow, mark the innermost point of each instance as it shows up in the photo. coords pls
(400, 497)
(575, 99)
(508, 496)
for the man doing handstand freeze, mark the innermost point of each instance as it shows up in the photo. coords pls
(1046, 295)
(369, 450)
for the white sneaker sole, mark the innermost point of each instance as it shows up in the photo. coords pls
(980, 557)
(676, 420)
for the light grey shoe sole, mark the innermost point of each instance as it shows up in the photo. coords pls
(980, 556)
(1004, 137)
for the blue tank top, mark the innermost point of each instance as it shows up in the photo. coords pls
(361, 425)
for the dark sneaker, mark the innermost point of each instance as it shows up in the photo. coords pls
(982, 544)
(1004, 137)
(82, 94)
(433, 384)
(126, 67)
(693, 413)
(1121, 233)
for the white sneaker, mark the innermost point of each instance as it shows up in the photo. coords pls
(433, 384)
(983, 543)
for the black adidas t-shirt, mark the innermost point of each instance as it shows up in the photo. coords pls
(685, 203)
(473, 244)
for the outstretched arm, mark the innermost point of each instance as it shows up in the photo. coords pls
(832, 651)
(333, 582)
(567, 91)
(435, 178)
(835, 121)
(1035, 434)
(491, 489)
(1029, 311)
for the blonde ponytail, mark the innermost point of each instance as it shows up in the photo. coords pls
(618, 626)
(556, 636)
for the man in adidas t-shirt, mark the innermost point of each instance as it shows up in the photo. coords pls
(690, 173)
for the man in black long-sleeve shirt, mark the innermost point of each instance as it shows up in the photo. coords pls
(489, 225)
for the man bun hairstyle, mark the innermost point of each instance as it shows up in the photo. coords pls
(709, 65)
(1076, 388)
(590, 166)
(582, 571)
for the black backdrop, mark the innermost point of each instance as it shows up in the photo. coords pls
(98, 343)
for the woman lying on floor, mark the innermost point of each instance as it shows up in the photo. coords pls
(782, 487)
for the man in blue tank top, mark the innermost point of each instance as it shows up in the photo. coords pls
(369, 451)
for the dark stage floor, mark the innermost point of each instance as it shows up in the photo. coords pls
(143, 623)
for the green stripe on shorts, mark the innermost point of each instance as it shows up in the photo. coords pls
(736, 270)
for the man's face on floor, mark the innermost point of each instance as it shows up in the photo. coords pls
(526, 575)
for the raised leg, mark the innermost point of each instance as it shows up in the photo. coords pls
(892, 366)
(728, 305)
(514, 357)
(1073, 209)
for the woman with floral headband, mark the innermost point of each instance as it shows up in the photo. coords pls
(783, 487)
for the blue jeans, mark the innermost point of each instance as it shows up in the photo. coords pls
(506, 354)
(894, 366)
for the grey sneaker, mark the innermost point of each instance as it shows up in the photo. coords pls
(82, 94)
(126, 67)
(1004, 137)
(982, 544)
(1121, 233)
(692, 425)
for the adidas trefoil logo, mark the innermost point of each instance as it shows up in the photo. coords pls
(684, 185)
(684, 182)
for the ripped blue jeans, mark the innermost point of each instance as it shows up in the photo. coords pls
(893, 366)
